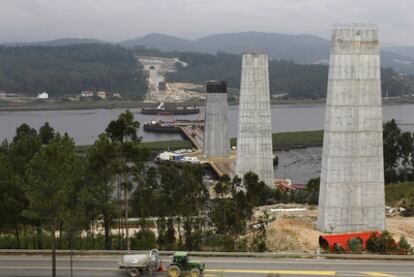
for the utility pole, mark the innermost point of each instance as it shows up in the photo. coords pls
(126, 219)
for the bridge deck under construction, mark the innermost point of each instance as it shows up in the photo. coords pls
(220, 165)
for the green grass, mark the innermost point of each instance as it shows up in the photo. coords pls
(68, 105)
(304, 137)
(164, 145)
(396, 193)
(290, 140)
(287, 140)
(152, 145)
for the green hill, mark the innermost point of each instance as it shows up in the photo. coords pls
(67, 70)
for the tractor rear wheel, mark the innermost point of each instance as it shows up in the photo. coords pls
(133, 272)
(195, 272)
(174, 271)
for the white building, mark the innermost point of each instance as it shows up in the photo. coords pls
(116, 95)
(101, 94)
(86, 93)
(43, 95)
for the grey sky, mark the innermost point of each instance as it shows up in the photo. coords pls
(115, 20)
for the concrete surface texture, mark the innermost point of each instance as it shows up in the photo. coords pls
(216, 130)
(254, 140)
(352, 178)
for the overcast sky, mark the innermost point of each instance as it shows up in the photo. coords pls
(115, 20)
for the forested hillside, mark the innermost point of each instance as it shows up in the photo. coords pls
(68, 70)
(298, 80)
(302, 49)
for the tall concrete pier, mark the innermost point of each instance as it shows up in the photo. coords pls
(216, 131)
(254, 141)
(352, 178)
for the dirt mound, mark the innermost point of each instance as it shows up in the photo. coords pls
(296, 230)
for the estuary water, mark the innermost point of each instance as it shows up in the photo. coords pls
(85, 125)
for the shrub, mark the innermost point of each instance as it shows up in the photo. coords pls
(373, 244)
(404, 247)
(144, 239)
(356, 244)
(338, 249)
(7, 242)
(382, 244)
(219, 242)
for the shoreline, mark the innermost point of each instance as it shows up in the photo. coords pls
(281, 142)
(67, 106)
(135, 104)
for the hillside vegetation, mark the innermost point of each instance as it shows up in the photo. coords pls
(67, 70)
(400, 194)
(299, 81)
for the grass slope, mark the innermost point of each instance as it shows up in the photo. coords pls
(290, 140)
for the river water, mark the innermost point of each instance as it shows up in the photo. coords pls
(85, 125)
(300, 165)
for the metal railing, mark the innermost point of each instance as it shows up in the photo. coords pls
(213, 254)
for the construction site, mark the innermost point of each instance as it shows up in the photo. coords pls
(291, 227)
(351, 197)
(160, 91)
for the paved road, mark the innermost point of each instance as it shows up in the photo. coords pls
(35, 266)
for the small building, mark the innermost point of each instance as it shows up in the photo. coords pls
(3, 94)
(86, 93)
(287, 185)
(116, 95)
(101, 94)
(43, 95)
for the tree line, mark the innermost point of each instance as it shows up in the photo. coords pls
(299, 81)
(68, 70)
(398, 153)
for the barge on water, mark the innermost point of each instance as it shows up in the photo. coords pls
(171, 126)
(170, 110)
(161, 127)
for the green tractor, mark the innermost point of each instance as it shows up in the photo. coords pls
(182, 266)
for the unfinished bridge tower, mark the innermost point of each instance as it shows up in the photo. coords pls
(216, 131)
(254, 140)
(352, 179)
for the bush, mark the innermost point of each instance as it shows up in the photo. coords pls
(7, 242)
(356, 245)
(219, 242)
(338, 249)
(408, 204)
(144, 239)
(404, 247)
(382, 244)
(119, 242)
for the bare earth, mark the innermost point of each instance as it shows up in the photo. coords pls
(296, 232)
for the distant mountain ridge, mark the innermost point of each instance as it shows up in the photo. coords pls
(303, 49)
(164, 43)
(402, 50)
(58, 42)
(279, 46)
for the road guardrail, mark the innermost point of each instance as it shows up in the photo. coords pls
(211, 254)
